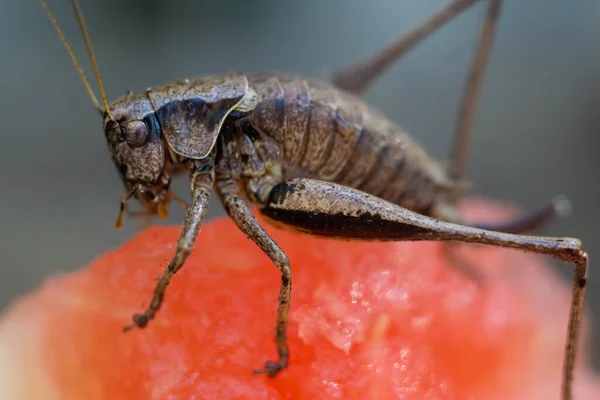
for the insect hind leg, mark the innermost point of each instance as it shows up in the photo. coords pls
(328, 209)
(358, 77)
(472, 88)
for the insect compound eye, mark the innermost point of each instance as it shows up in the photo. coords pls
(121, 131)
(136, 133)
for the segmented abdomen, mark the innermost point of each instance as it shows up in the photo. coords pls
(329, 135)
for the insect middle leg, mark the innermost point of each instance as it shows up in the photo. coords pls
(328, 209)
(239, 212)
(202, 183)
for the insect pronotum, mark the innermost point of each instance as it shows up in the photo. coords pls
(313, 158)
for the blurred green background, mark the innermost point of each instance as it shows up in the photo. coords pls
(537, 131)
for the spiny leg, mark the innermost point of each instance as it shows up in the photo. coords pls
(202, 183)
(358, 77)
(239, 212)
(328, 209)
(471, 92)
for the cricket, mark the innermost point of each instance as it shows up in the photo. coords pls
(313, 158)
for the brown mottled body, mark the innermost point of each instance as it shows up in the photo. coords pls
(328, 134)
(314, 158)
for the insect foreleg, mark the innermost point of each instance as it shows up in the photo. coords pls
(239, 211)
(327, 209)
(357, 77)
(202, 183)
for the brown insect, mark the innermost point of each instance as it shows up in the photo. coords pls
(313, 158)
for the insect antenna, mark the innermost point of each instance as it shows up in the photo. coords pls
(77, 65)
(88, 45)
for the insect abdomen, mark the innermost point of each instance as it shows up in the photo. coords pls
(327, 134)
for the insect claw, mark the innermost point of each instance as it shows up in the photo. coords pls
(271, 368)
(139, 321)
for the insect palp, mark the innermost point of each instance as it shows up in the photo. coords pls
(124, 199)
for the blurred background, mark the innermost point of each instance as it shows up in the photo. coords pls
(537, 130)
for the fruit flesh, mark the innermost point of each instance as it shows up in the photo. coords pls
(368, 320)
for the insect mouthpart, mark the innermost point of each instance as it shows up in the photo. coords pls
(154, 198)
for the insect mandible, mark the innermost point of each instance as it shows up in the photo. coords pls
(314, 158)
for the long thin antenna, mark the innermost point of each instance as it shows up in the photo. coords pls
(88, 45)
(79, 69)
